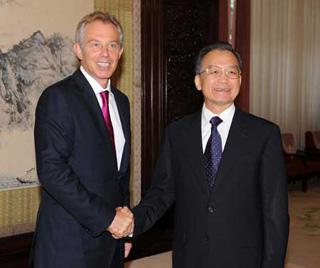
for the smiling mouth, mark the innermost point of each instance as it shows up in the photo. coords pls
(103, 64)
(221, 89)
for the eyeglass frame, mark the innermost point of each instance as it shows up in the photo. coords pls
(223, 71)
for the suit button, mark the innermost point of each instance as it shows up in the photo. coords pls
(206, 239)
(211, 209)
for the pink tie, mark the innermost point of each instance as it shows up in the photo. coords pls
(106, 115)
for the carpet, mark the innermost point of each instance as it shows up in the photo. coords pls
(304, 238)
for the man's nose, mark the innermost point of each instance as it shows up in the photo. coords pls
(223, 75)
(105, 50)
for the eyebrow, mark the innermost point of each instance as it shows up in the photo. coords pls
(96, 40)
(93, 40)
(231, 66)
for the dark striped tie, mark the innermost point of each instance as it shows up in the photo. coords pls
(213, 152)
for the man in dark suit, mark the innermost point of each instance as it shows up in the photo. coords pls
(82, 139)
(226, 176)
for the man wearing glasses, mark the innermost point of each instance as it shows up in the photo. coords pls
(224, 170)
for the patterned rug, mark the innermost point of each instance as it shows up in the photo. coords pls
(304, 239)
(305, 211)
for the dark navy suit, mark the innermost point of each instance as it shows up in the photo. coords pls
(77, 168)
(243, 222)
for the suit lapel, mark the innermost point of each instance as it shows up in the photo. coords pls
(90, 99)
(124, 118)
(234, 146)
(196, 151)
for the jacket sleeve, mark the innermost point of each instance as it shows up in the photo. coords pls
(275, 202)
(160, 195)
(54, 132)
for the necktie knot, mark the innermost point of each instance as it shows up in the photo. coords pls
(215, 121)
(105, 97)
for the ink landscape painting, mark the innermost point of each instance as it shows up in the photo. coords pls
(35, 52)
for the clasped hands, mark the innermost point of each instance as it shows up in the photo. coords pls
(122, 224)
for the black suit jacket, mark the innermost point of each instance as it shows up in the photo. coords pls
(243, 222)
(77, 168)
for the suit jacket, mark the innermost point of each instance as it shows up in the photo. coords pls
(77, 168)
(243, 222)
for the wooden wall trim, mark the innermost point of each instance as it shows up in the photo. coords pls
(153, 85)
(223, 20)
(15, 250)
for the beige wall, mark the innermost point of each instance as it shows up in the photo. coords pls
(18, 210)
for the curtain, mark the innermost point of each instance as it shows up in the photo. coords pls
(285, 69)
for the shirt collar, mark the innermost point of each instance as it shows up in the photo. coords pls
(97, 88)
(226, 116)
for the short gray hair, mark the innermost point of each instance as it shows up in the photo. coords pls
(100, 16)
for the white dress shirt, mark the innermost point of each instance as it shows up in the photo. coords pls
(119, 138)
(223, 128)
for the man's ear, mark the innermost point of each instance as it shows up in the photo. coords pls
(77, 50)
(197, 82)
(120, 52)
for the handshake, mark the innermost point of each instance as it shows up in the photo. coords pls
(122, 224)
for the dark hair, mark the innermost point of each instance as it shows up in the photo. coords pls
(216, 46)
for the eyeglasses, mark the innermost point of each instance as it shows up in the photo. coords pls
(98, 46)
(231, 72)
